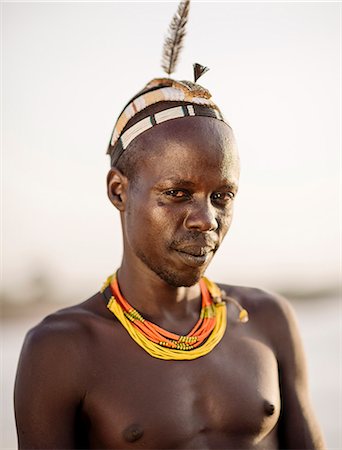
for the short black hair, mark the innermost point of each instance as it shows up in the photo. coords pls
(128, 162)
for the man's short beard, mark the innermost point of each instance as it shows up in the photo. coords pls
(170, 277)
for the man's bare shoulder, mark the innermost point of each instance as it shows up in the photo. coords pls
(259, 302)
(270, 314)
(71, 326)
(56, 363)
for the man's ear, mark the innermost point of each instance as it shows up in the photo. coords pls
(117, 185)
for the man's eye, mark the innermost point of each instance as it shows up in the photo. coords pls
(176, 193)
(222, 196)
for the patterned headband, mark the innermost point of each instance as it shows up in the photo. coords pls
(195, 100)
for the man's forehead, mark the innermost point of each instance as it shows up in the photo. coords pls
(185, 150)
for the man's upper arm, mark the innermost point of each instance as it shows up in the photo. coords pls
(48, 388)
(298, 428)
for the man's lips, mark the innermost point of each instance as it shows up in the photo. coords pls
(195, 256)
(195, 250)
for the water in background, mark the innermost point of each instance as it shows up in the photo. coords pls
(320, 324)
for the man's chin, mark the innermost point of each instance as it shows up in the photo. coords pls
(176, 279)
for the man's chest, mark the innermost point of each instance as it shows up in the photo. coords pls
(136, 400)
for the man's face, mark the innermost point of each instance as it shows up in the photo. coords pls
(180, 206)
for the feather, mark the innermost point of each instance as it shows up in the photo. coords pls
(174, 39)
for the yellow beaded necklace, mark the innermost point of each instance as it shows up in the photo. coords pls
(213, 317)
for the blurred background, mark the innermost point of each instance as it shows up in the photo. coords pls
(68, 69)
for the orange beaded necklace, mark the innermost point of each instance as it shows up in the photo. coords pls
(200, 332)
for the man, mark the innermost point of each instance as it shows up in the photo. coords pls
(159, 358)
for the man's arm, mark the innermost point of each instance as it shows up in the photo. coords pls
(49, 386)
(298, 428)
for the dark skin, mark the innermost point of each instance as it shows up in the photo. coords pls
(82, 382)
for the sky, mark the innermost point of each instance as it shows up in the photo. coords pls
(68, 68)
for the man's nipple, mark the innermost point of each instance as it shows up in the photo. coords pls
(269, 408)
(133, 433)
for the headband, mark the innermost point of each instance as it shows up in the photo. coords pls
(195, 98)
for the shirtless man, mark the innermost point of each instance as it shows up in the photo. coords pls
(83, 382)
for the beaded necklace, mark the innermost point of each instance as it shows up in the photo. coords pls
(162, 344)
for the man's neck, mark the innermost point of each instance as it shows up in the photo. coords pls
(155, 298)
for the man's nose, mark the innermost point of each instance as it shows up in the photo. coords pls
(201, 216)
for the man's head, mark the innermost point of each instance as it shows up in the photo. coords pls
(174, 173)
(175, 192)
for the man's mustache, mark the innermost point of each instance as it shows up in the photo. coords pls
(195, 239)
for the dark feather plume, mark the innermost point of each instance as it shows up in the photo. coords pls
(174, 39)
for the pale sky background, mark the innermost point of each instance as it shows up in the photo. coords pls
(69, 68)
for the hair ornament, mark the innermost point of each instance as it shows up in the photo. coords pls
(192, 98)
(199, 70)
(243, 313)
(173, 43)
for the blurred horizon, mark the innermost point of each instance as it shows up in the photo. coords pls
(40, 290)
